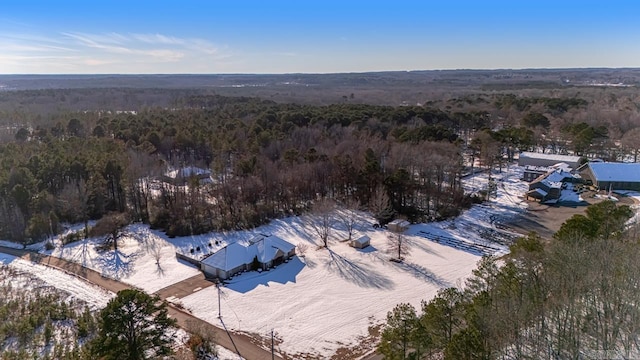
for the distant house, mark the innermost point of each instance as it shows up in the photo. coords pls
(267, 251)
(548, 187)
(614, 176)
(533, 172)
(361, 242)
(181, 176)
(398, 225)
(539, 159)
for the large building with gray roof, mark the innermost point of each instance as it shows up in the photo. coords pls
(612, 176)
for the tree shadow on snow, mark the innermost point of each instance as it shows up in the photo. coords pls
(282, 274)
(115, 264)
(159, 270)
(355, 273)
(420, 272)
(367, 250)
(80, 254)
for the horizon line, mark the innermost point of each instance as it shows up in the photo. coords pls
(325, 73)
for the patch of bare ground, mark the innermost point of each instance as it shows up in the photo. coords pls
(365, 344)
(545, 220)
(265, 342)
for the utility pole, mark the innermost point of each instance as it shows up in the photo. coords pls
(219, 308)
(273, 356)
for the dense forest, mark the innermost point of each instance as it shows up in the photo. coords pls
(269, 160)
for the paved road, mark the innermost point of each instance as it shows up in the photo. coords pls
(247, 348)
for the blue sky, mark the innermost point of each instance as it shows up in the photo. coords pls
(252, 36)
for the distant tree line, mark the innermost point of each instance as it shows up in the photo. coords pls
(267, 160)
(270, 160)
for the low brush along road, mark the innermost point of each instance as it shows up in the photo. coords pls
(247, 349)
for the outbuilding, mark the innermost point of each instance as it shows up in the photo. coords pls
(612, 175)
(398, 225)
(361, 242)
(540, 159)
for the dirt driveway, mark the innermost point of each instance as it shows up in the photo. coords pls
(547, 219)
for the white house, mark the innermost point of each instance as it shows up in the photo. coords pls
(240, 256)
(181, 176)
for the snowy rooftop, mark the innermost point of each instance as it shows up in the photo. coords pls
(559, 176)
(617, 172)
(554, 157)
(539, 191)
(537, 168)
(400, 222)
(362, 240)
(243, 252)
(187, 172)
(562, 165)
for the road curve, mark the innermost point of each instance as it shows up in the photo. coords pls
(246, 347)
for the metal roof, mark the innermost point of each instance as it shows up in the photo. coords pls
(616, 172)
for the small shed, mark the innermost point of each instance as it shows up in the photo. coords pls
(361, 242)
(398, 225)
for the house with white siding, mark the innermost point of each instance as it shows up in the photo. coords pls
(262, 252)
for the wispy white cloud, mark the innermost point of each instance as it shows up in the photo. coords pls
(109, 52)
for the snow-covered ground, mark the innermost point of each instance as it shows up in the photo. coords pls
(325, 299)
(94, 296)
(145, 258)
(328, 298)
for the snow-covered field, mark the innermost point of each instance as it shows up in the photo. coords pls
(329, 298)
(94, 296)
(145, 258)
(325, 299)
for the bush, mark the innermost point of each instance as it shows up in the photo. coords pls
(38, 227)
(72, 237)
(49, 246)
(161, 220)
(446, 212)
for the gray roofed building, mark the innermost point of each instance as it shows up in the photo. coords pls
(614, 176)
(240, 256)
(540, 159)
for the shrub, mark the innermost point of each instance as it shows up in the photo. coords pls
(72, 237)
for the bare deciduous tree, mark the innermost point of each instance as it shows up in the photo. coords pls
(380, 205)
(349, 216)
(631, 142)
(322, 219)
(111, 226)
(398, 245)
(202, 341)
(302, 248)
